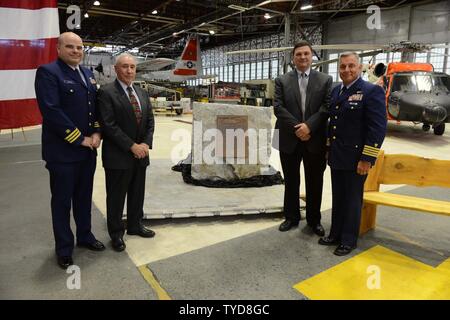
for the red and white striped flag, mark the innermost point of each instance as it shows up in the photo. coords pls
(28, 38)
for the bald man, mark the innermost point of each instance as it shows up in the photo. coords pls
(66, 94)
(127, 124)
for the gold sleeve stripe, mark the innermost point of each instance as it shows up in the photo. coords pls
(74, 132)
(370, 153)
(75, 137)
(371, 148)
(96, 124)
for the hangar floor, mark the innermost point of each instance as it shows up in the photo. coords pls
(220, 257)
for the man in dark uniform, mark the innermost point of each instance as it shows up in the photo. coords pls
(66, 94)
(356, 131)
(127, 124)
(301, 102)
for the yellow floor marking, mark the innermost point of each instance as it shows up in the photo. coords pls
(150, 278)
(379, 273)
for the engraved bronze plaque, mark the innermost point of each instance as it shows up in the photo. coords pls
(234, 135)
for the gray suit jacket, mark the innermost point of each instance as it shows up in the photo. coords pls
(119, 126)
(287, 109)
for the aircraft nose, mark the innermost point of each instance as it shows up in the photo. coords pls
(433, 114)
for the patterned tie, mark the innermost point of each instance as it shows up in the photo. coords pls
(135, 104)
(303, 85)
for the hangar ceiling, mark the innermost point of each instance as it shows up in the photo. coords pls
(159, 27)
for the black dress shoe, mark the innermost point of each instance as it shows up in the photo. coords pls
(318, 229)
(94, 246)
(118, 244)
(328, 241)
(287, 225)
(65, 262)
(142, 232)
(343, 250)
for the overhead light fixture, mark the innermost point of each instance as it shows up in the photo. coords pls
(211, 32)
(155, 11)
(238, 8)
(86, 15)
(306, 7)
(267, 16)
(96, 3)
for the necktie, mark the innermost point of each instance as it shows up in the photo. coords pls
(135, 104)
(78, 71)
(303, 85)
(343, 89)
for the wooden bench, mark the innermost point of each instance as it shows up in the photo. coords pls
(403, 169)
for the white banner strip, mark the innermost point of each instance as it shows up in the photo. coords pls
(17, 84)
(24, 24)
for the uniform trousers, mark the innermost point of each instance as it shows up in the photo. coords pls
(71, 187)
(347, 189)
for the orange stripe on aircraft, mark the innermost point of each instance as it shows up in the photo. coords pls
(190, 52)
(185, 72)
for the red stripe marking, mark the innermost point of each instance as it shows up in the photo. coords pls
(190, 52)
(26, 54)
(185, 72)
(19, 113)
(28, 4)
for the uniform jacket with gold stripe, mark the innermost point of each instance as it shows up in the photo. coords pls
(68, 111)
(357, 125)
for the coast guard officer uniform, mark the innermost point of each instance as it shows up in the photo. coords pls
(66, 98)
(356, 132)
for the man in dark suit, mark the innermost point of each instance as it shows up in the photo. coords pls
(127, 124)
(66, 92)
(356, 131)
(301, 102)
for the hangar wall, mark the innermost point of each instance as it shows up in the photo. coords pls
(428, 23)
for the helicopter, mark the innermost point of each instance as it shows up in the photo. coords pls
(414, 91)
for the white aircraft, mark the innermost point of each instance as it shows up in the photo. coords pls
(188, 67)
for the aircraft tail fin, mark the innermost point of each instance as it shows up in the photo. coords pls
(190, 63)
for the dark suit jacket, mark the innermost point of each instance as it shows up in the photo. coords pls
(68, 111)
(119, 126)
(287, 109)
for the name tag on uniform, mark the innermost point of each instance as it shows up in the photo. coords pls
(356, 97)
(69, 81)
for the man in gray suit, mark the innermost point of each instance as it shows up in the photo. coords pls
(301, 103)
(127, 125)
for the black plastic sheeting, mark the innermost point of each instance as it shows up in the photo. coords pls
(253, 182)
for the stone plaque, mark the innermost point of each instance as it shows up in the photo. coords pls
(234, 135)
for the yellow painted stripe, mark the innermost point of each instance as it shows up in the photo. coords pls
(371, 148)
(75, 138)
(74, 132)
(151, 280)
(379, 273)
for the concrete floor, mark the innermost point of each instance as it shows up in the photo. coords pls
(233, 257)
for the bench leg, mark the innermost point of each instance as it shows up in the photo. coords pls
(368, 218)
